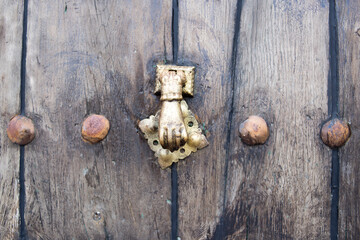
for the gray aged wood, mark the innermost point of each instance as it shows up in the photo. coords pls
(206, 31)
(281, 190)
(349, 62)
(10, 58)
(100, 56)
(95, 57)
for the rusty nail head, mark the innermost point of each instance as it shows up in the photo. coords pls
(21, 130)
(95, 128)
(254, 130)
(335, 133)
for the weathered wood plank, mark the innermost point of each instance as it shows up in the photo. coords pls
(349, 102)
(10, 58)
(95, 57)
(281, 190)
(206, 31)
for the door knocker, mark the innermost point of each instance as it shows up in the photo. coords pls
(173, 132)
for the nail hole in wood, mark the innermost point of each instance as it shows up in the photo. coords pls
(97, 216)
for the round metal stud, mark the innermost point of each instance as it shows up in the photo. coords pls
(95, 128)
(254, 130)
(335, 133)
(21, 130)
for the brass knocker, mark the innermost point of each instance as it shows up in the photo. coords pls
(173, 132)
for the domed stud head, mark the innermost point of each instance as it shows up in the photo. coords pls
(95, 128)
(254, 130)
(335, 133)
(21, 130)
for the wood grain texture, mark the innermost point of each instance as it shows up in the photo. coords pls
(10, 47)
(349, 102)
(95, 57)
(206, 31)
(281, 190)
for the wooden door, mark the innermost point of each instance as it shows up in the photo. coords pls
(294, 63)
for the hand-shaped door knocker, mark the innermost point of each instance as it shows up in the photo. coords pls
(173, 133)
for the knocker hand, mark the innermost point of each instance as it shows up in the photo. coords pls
(166, 132)
(172, 131)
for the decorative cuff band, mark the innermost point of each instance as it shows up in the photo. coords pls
(171, 96)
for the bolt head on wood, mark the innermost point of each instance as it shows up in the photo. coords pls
(335, 133)
(21, 130)
(254, 130)
(95, 128)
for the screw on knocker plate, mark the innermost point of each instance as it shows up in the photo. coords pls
(173, 133)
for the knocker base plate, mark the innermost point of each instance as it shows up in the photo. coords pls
(196, 140)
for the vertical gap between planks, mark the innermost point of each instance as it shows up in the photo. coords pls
(22, 198)
(175, 30)
(174, 202)
(174, 173)
(333, 110)
(220, 233)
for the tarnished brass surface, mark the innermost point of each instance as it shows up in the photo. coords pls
(196, 140)
(188, 72)
(173, 132)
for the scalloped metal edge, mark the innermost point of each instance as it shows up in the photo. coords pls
(166, 158)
